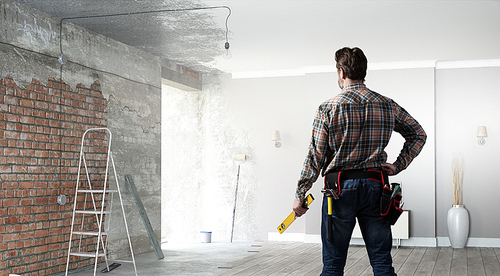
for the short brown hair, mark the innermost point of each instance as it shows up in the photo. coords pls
(353, 62)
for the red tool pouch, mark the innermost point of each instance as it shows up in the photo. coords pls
(390, 205)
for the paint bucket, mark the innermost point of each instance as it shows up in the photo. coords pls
(206, 236)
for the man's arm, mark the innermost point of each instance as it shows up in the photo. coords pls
(414, 135)
(316, 156)
(313, 163)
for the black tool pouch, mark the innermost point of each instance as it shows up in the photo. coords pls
(390, 205)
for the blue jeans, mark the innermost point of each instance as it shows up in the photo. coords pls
(359, 198)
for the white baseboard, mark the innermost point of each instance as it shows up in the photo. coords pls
(471, 242)
(413, 241)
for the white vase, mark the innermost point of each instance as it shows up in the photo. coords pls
(458, 226)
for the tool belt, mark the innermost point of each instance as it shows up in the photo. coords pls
(389, 202)
(333, 179)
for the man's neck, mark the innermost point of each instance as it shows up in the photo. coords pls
(348, 82)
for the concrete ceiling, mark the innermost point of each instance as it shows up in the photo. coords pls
(190, 38)
(293, 34)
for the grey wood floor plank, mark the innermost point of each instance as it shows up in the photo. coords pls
(367, 272)
(354, 258)
(475, 265)
(426, 265)
(459, 262)
(315, 271)
(361, 265)
(497, 252)
(410, 265)
(490, 262)
(250, 265)
(310, 264)
(400, 257)
(301, 259)
(295, 262)
(443, 262)
(305, 265)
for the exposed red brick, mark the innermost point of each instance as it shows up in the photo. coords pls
(11, 220)
(10, 202)
(38, 126)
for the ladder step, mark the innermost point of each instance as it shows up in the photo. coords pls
(97, 191)
(86, 254)
(88, 233)
(91, 212)
(121, 261)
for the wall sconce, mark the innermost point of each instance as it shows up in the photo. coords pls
(276, 138)
(481, 133)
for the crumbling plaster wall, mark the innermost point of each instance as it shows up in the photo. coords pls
(130, 80)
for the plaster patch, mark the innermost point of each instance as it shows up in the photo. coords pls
(141, 109)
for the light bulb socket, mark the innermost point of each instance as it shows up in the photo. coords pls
(61, 199)
(481, 141)
(62, 59)
(226, 46)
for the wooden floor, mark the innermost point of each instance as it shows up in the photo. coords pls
(304, 259)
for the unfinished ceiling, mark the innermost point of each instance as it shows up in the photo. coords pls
(292, 34)
(190, 38)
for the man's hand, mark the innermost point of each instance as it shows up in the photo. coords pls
(389, 168)
(298, 208)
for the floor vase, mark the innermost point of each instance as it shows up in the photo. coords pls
(458, 226)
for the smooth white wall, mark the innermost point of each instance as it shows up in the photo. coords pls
(466, 99)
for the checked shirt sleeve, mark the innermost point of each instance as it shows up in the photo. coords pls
(316, 155)
(414, 135)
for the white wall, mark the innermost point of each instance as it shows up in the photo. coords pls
(466, 99)
(288, 104)
(239, 115)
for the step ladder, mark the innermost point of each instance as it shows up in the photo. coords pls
(90, 172)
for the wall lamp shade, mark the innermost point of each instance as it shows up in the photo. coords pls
(481, 133)
(276, 138)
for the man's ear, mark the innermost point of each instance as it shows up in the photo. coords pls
(342, 74)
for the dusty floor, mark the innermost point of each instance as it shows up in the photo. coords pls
(198, 259)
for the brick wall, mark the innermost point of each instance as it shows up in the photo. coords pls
(40, 135)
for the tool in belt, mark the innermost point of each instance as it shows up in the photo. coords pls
(389, 205)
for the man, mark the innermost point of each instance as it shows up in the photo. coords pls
(350, 132)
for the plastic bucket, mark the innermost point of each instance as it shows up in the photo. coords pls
(206, 236)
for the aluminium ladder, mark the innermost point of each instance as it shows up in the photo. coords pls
(99, 210)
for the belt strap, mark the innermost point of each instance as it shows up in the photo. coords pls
(360, 174)
(332, 180)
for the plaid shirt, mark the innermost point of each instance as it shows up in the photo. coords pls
(352, 130)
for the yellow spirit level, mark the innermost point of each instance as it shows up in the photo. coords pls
(291, 218)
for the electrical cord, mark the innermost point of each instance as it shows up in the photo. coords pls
(142, 12)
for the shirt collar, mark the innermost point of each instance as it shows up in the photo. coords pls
(354, 86)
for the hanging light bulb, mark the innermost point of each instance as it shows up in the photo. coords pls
(227, 53)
